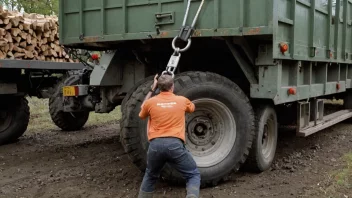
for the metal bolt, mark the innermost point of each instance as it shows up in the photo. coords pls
(213, 143)
(203, 149)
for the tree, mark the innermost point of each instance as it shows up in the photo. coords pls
(46, 7)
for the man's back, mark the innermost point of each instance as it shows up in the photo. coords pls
(166, 115)
(166, 131)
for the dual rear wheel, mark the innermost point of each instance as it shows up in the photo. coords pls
(219, 134)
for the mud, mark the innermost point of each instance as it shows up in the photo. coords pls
(91, 163)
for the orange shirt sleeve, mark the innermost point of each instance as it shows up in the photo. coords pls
(144, 113)
(190, 107)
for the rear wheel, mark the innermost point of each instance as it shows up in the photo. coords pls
(67, 121)
(14, 119)
(218, 134)
(264, 144)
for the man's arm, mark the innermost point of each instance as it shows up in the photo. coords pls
(190, 107)
(144, 110)
(144, 113)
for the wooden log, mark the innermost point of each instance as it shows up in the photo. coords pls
(9, 37)
(29, 39)
(4, 14)
(17, 39)
(54, 53)
(34, 41)
(5, 48)
(20, 27)
(47, 34)
(28, 54)
(23, 44)
(1, 22)
(10, 55)
(15, 20)
(11, 46)
(45, 40)
(30, 48)
(8, 26)
(3, 42)
(15, 31)
(23, 35)
(51, 38)
(44, 48)
(27, 25)
(2, 32)
(19, 54)
(6, 20)
(17, 49)
(2, 55)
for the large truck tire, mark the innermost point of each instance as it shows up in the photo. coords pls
(67, 121)
(219, 133)
(263, 150)
(14, 119)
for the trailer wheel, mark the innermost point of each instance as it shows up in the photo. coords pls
(347, 101)
(219, 133)
(65, 120)
(263, 149)
(14, 119)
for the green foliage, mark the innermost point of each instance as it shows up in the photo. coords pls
(46, 7)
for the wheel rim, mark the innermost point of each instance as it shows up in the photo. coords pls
(5, 120)
(211, 132)
(268, 138)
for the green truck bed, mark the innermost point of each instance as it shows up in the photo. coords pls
(86, 21)
(308, 26)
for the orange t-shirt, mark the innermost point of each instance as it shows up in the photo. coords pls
(166, 113)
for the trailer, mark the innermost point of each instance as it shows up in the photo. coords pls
(22, 78)
(248, 65)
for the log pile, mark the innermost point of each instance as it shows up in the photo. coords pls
(30, 37)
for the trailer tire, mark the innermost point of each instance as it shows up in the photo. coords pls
(347, 101)
(262, 153)
(205, 89)
(65, 120)
(14, 119)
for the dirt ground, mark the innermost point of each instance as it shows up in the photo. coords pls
(91, 163)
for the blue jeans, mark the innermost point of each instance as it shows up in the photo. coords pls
(173, 152)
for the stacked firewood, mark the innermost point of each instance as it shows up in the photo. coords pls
(30, 37)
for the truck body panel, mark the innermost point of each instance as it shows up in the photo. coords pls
(117, 20)
(308, 26)
(317, 32)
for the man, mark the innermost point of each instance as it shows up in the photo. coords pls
(166, 134)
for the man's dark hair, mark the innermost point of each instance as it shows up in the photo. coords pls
(165, 83)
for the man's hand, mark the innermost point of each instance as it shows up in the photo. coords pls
(153, 87)
(155, 83)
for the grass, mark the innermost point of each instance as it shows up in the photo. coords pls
(344, 177)
(40, 118)
(340, 182)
